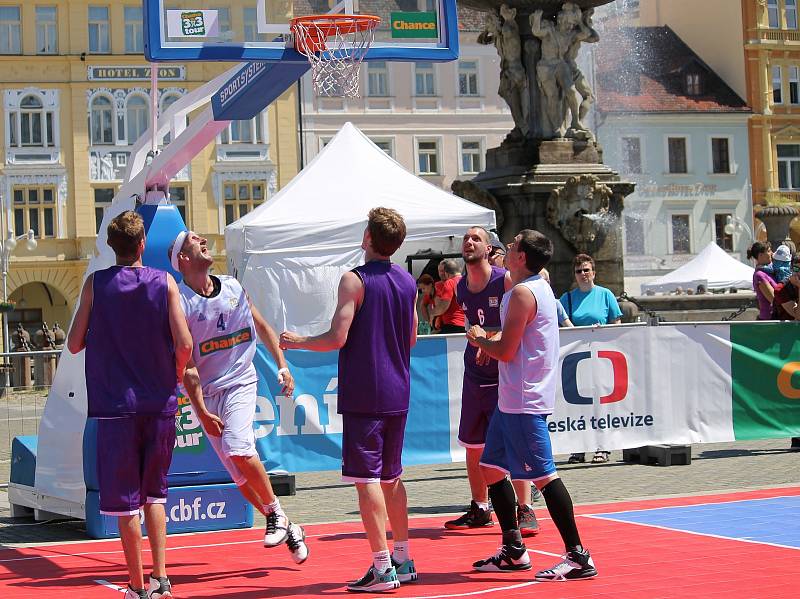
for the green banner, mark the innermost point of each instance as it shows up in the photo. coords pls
(414, 24)
(765, 368)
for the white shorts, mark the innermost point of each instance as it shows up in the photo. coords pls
(236, 407)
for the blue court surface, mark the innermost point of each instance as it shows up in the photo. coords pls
(774, 520)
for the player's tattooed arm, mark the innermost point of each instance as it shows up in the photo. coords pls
(191, 381)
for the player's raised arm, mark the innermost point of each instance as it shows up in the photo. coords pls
(180, 330)
(270, 341)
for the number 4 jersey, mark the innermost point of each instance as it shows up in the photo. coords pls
(483, 309)
(224, 334)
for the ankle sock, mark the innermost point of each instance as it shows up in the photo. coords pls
(400, 552)
(275, 506)
(382, 561)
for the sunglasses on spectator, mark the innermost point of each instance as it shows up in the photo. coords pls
(582, 270)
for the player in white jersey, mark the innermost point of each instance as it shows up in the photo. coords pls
(518, 442)
(221, 380)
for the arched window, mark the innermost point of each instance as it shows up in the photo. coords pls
(31, 115)
(102, 121)
(166, 102)
(137, 115)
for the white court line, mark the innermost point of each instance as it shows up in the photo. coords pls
(545, 553)
(481, 592)
(690, 532)
(113, 587)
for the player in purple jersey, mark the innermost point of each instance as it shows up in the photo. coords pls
(137, 345)
(479, 293)
(374, 328)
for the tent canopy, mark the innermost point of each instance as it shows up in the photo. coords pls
(291, 251)
(713, 265)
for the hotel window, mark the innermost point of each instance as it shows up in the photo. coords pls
(241, 198)
(632, 154)
(468, 78)
(773, 15)
(99, 38)
(10, 30)
(134, 34)
(720, 155)
(102, 200)
(791, 14)
(471, 157)
(46, 30)
(251, 33)
(377, 79)
(35, 208)
(177, 197)
(101, 121)
(676, 150)
(137, 117)
(424, 79)
(777, 86)
(789, 166)
(723, 240)
(681, 231)
(31, 125)
(250, 131)
(428, 157)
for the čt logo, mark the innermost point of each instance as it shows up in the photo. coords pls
(569, 376)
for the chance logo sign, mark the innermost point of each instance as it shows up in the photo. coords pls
(414, 24)
(569, 377)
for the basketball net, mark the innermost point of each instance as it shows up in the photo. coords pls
(334, 45)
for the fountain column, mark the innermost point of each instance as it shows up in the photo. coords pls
(548, 173)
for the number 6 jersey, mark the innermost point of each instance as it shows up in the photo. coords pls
(223, 332)
(483, 309)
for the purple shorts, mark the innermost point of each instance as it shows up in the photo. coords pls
(478, 402)
(372, 448)
(133, 457)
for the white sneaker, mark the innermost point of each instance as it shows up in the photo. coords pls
(296, 542)
(160, 588)
(131, 594)
(277, 529)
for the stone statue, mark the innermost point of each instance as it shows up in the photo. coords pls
(22, 339)
(555, 71)
(581, 84)
(45, 338)
(503, 31)
(579, 209)
(59, 336)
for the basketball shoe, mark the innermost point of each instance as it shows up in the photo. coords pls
(476, 517)
(526, 521)
(160, 588)
(577, 564)
(406, 572)
(277, 529)
(296, 542)
(373, 582)
(511, 557)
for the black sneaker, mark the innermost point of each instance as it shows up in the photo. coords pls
(509, 558)
(476, 517)
(526, 521)
(576, 565)
(577, 458)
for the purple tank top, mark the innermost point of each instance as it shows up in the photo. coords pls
(483, 309)
(374, 362)
(130, 355)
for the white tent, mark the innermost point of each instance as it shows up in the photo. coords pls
(713, 267)
(291, 251)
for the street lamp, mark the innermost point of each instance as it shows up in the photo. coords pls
(6, 247)
(734, 224)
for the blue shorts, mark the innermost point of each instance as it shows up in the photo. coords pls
(372, 448)
(133, 457)
(519, 445)
(478, 403)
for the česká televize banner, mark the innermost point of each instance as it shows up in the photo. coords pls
(619, 387)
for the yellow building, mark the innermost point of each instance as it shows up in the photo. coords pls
(76, 96)
(772, 51)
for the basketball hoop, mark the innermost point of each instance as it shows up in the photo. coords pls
(335, 45)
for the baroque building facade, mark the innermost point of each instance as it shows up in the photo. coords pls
(76, 97)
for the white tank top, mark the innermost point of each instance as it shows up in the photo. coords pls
(224, 335)
(527, 383)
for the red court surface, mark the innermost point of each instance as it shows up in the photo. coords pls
(633, 560)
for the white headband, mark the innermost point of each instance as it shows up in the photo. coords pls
(176, 249)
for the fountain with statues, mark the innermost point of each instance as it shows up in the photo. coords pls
(548, 173)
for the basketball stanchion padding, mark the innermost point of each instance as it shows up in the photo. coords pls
(335, 45)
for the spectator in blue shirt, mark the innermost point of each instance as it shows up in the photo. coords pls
(588, 305)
